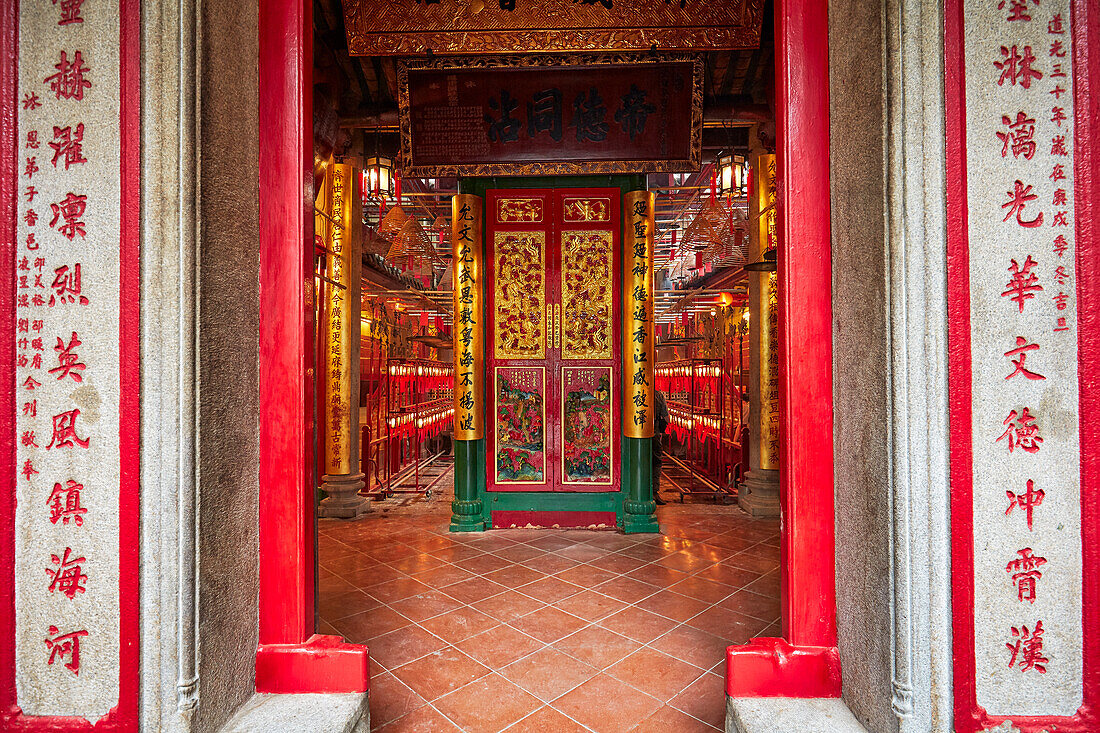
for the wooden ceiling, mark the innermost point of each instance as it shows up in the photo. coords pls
(365, 87)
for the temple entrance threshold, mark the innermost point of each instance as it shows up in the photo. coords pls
(547, 630)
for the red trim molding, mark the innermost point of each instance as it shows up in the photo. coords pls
(805, 663)
(290, 657)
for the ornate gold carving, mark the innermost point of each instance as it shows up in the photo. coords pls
(469, 282)
(586, 210)
(519, 210)
(556, 168)
(381, 27)
(638, 351)
(519, 260)
(586, 294)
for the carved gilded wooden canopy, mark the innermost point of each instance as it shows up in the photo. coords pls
(411, 27)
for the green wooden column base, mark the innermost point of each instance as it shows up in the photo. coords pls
(639, 509)
(466, 508)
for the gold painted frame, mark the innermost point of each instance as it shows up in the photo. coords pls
(550, 168)
(608, 237)
(496, 430)
(499, 283)
(611, 434)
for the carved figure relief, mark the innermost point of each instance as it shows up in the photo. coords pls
(586, 287)
(520, 289)
(519, 210)
(587, 210)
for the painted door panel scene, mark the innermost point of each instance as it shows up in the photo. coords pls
(554, 343)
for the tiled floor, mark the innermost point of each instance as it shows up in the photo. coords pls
(547, 630)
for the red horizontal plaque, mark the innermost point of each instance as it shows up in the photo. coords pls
(547, 116)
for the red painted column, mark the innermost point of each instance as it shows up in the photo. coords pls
(290, 658)
(805, 662)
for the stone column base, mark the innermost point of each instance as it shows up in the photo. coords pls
(760, 493)
(343, 500)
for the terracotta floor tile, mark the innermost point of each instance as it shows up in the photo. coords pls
(752, 562)
(728, 575)
(596, 646)
(440, 672)
(701, 588)
(731, 541)
(443, 576)
(474, 589)
(508, 605)
(363, 627)
(457, 554)
(708, 552)
(425, 605)
(693, 646)
(334, 584)
(767, 584)
(460, 624)
(590, 605)
(403, 646)
(547, 720)
(705, 700)
(617, 563)
(669, 719)
(549, 589)
(581, 553)
(333, 606)
(657, 575)
(548, 674)
(549, 624)
(638, 624)
(416, 563)
(395, 590)
(673, 605)
(607, 705)
(655, 673)
(499, 646)
(431, 543)
(753, 604)
(388, 552)
(626, 589)
(520, 553)
(685, 562)
(732, 627)
(489, 541)
(483, 564)
(423, 720)
(347, 564)
(514, 576)
(585, 576)
(487, 705)
(550, 541)
(612, 541)
(390, 698)
(367, 578)
(550, 563)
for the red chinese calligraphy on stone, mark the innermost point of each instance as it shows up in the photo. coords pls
(1018, 198)
(1060, 275)
(69, 81)
(1026, 501)
(1016, 67)
(1025, 573)
(68, 145)
(1058, 172)
(1022, 432)
(30, 218)
(32, 139)
(64, 431)
(1058, 145)
(1021, 351)
(1058, 91)
(30, 166)
(1055, 25)
(28, 469)
(1027, 649)
(1017, 9)
(69, 364)
(70, 208)
(1024, 282)
(28, 439)
(1057, 50)
(30, 409)
(30, 192)
(1061, 219)
(1020, 136)
(64, 503)
(65, 646)
(31, 101)
(1059, 198)
(66, 575)
(30, 383)
(66, 286)
(70, 11)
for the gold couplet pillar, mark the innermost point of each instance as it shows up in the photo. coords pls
(638, 359)
(764, 326)
(469, 273)
(342, 480)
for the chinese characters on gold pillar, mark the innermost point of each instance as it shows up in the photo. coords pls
(466, 247)
(767, 306)
(341, 415)
(639, 357)
(70, 289)
(1026, 457)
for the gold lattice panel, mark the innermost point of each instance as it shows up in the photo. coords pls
(519, 270)
(586, 291)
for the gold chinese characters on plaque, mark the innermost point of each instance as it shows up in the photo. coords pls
(639, 356)
(586, 284)
(519, 271)
(469, 332)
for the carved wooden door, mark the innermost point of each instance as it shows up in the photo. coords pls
(552, 387)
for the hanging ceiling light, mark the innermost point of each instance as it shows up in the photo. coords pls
(731, 175)
(380, 177)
